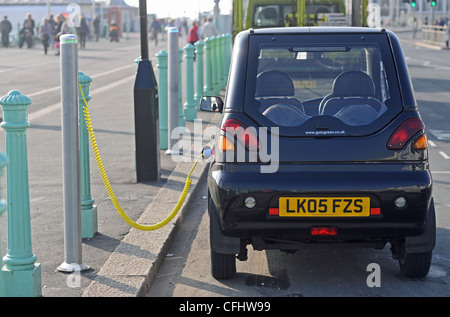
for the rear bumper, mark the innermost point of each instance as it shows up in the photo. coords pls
(230, 184)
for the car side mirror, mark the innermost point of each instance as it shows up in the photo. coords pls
(211, 103)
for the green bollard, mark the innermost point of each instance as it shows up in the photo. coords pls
(180, 94)
(107, 31)
(190, 111)
(208, 90)
(89, 219)
(215, 66)
(220, 58)
(162, 57)
(199, 50)
(20, 273)
(228, 49)
(3, 162)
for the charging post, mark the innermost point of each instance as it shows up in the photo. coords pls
(146, 113)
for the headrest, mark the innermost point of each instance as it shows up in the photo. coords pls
(274, 83)
(353, 83)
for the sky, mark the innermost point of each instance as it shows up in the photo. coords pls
(178, 8)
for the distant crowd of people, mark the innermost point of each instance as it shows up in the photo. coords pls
(51, 28)
(49, 31)
(196, 32)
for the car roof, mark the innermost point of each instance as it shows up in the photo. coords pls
(316, 29)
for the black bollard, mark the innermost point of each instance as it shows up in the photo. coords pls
(146, 114)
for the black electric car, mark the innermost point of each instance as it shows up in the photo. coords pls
(320, 144)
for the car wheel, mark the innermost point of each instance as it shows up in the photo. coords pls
(223, 266)
(415, 265)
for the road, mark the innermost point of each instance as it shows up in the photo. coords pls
(186, 271)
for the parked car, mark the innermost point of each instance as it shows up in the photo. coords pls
(321, 144)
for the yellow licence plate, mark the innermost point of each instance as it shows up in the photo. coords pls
(324, 206)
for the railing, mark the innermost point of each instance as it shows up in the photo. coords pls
(436, 34)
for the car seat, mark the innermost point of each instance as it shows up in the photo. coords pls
(275, 87)
(350, 88)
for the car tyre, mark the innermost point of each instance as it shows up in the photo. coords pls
(223, 266)
(415, 265)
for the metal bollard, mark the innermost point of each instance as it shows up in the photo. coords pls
(215, 66)
(21, 273)
(190, 111)
(228, 45)
(89, 219)
(180, 94)
(208, 90)
(221, 61)
(163, 110)
(71, 155)
(173, 79)
(199, 50)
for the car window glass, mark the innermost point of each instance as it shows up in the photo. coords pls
(343, 84)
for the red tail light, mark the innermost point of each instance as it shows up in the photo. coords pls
(245, 135)
(404, 133)
(323, 231)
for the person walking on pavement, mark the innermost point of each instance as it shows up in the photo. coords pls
(155, 28)
(82, 31)
(5, 28)
(193, 33)
(96, 27)
(52, 22)
(209, 29)
(27, 32)
(63, 29)
(45, 32)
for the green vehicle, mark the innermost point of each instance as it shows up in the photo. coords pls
(258, 14)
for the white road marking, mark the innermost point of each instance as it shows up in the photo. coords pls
(444, 155)
(49, 109)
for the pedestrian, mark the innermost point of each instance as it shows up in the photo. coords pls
(96, 27)
(27, 32)
(155, 28)
(209, 29)
(45, 31)
(82, 31)
(5, 29)
(52, 22)
(63, 29)
(193, 33)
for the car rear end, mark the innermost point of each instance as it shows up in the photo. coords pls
(340, 169)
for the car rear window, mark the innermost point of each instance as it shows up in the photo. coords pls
(322, 85)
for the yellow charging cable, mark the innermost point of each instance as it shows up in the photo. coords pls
(109, 189)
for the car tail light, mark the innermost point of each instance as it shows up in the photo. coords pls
(225, 144)
(404, 133)
(421, 143)
(323, 231)
(245, 135)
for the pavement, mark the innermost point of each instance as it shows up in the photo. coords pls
(123, 261)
